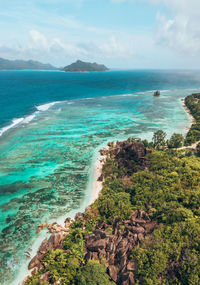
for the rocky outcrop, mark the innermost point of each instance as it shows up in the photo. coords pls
(131, 156)
(56, 228)
(40, 227)
(117, 247)
(45, 276)
(156, 93)
(54, 242)
(111, 243)
(101, 245)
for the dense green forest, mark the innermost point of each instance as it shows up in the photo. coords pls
(163, 185)
(193, 104)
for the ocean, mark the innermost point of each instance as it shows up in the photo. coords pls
(52, 125)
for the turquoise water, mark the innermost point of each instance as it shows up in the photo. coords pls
(46, 158)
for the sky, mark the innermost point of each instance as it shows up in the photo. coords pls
(122, 34)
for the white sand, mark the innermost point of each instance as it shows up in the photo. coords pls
(97, 185)
(95, 188)
(188, 112)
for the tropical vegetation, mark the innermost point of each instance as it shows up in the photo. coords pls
(169, 190)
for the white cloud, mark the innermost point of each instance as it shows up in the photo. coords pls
(182, 6)
(180, 32)
(38, 39)
(56, 50)
(117, 47)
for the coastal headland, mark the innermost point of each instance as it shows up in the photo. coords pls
(142, 223)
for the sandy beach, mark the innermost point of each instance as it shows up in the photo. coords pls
(188, 111)
(97, 184)
(96, 188)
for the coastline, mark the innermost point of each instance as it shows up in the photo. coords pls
(188, 112)
(97, 183)
(97, 180)
(95, 189)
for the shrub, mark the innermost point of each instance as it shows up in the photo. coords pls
(93, 273)
(117, 204)
(198, 149)
(159, 139)
(175, 141)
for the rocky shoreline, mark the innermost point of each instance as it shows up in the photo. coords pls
(114, 242)
(59, 232)
(115, 247)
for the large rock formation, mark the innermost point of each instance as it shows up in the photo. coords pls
(113, 243)
(54, 242)
(156, 93)
(131, 156)
(117, 247)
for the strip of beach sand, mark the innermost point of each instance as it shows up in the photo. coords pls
(188, 111)
(97, 184)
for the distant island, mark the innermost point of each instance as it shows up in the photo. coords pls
(81, 66)
(6, 64)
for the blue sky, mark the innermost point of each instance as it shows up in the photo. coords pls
(119, 33)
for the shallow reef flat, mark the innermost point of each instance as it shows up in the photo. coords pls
(46, 164)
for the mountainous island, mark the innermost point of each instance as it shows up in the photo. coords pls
(81, 66)
(6, 64)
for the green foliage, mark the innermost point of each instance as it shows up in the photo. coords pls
(93, 274)
(75, 243)
(170, 188)
(62, 265)
(111, 169)
(115, 205)
(175, 141)
(193, 104)
(159, 139)
(171, 255)
(198, 149)
(172, 212)
(147, 144)
(166, 182)
(84, 66)
(35, 280)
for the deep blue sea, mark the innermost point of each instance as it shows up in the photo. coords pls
(52, 125)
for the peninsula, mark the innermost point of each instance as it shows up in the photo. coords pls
(81, 66)
(144, 226)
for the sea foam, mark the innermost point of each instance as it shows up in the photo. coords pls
(14, 123)
(45, 107)
(29, 118)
